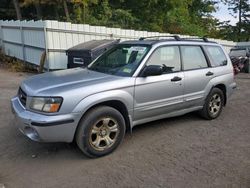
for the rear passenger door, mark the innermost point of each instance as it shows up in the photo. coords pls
(197, 74)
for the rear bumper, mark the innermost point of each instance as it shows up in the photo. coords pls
(42, 128)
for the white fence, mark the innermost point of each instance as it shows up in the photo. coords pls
(27, 40)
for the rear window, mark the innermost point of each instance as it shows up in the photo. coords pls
(216, 56)
(238, 52)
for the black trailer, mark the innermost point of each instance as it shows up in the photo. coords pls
(83, 54)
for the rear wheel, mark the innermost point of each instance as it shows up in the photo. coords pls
(101, 131)
(246, 66)
(213, 105)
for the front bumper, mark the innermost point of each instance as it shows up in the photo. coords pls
(43, 128)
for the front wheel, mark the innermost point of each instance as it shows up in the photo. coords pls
(213, 104)
(100, 131)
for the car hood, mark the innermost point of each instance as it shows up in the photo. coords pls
(51, 83)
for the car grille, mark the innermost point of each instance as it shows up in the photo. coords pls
(22, 97)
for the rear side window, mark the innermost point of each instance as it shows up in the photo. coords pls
(216, 56)
(193, 57)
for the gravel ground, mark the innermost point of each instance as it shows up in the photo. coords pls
(178, 152)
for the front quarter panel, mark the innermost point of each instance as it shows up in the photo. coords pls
(123, 95)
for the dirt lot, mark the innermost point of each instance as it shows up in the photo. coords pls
(179, 152)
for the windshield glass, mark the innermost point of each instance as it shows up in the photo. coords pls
(121, 60)
(238, 52)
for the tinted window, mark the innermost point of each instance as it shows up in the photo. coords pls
(238, 52)
(168, 57)
(193, 57)
(216, 56)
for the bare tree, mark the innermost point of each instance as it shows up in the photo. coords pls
(38, 9)
(18, 10)
(66, 10)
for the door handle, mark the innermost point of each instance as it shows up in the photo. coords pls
(176, 79)
(209, 73)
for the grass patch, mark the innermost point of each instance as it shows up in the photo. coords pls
(16, 65)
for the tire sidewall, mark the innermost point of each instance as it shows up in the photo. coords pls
(85, 128)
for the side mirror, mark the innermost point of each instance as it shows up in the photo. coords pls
(152, 70)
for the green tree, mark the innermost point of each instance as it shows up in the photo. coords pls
(240, 9)
(36, 4)
(121, 17)
(81, 9)
(191, 17)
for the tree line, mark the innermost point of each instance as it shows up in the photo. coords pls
(190, 17)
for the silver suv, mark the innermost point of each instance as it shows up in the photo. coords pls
(133, 83)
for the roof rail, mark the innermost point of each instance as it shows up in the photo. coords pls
(195, 38)
(176, 37)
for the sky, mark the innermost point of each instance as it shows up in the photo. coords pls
(223, 14)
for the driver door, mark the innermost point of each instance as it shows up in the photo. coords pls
(157, 96)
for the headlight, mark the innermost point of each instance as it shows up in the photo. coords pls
(46, 104)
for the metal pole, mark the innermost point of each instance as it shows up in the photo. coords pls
(1, 37)
(23, 45)
(46, 47)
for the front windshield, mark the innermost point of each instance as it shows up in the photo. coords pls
(121, 60)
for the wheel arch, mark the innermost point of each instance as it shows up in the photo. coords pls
(114, 103)
(119, 106)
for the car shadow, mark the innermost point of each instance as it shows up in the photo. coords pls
(167, 122)
(70, 151)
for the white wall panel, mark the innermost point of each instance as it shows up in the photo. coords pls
(13, 50)
(33, 55)
(32, 38)
(57, 60)
(12, 35)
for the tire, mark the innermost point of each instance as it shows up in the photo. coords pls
(246, 67)
(213, 105)
(100, 131)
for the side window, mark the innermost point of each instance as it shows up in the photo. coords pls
(216, 56)
(168, 57)
(193, 57)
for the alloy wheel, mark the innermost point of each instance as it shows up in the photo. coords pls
(104, 133)
(215, 104)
